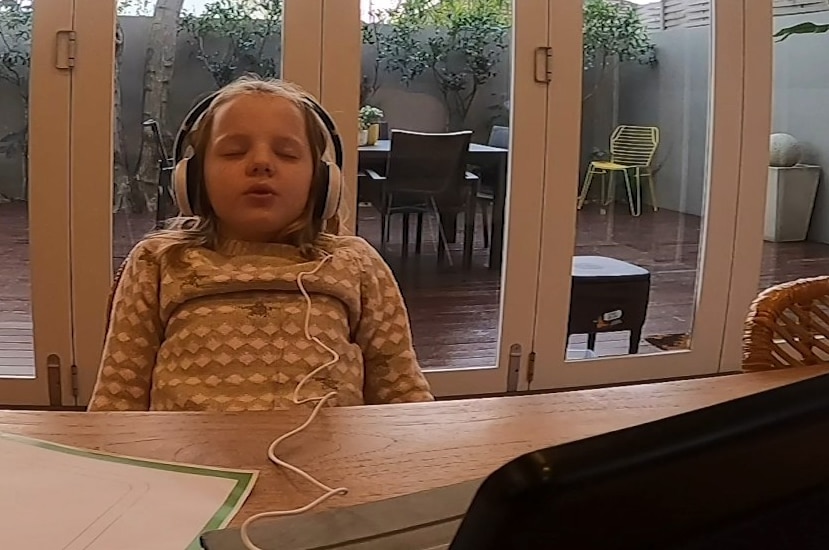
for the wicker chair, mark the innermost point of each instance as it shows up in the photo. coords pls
(788, 326)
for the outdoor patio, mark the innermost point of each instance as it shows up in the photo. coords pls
(455, 313)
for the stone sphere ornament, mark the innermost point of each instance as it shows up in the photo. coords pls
(784, 150)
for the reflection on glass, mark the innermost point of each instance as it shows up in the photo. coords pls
(641, 195)
(201, 46)
(16, 345)
(438, 68)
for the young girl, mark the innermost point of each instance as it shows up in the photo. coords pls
(211, 313)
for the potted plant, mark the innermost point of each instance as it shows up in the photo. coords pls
(791, 191)
(370, 118)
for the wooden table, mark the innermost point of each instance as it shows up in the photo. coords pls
(492, 163)
(385, 451)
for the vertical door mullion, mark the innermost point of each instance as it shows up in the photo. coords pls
(302, 43)
(758, 62)
(562, 152)
(50, 90)
(91, 192)
(340, 60)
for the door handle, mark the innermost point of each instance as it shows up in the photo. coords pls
(543, 73)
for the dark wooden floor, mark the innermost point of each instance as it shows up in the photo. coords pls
(455, 313)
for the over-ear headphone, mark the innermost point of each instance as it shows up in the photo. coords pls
(185, 186)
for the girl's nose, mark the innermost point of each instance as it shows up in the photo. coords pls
(261, 163)
(260, 168)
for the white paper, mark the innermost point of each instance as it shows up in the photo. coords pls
(54, 499)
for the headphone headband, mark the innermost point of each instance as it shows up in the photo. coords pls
(192, 119)
(327, 202)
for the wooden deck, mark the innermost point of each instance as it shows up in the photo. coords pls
(17, 355)
(455, 314)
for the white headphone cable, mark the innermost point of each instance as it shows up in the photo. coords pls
(329, 491)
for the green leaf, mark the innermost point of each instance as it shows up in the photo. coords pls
(800, 28)
(247, 31)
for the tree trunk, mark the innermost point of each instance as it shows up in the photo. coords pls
(158, 71)
(24, 151)
(123, 200)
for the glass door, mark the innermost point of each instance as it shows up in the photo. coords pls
(639, 232)
(165, 55)
(36, 353)
(463, 249)
(785, 213)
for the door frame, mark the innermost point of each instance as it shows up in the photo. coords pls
(340, 94)
(758, 71)
(91, 193)
(50, 93)
(718, 236)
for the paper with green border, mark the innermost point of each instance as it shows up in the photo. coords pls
(244, 479)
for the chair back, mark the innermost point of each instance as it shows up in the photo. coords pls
(427, 164)
(634, 145)
(788, 325)
(499, 137)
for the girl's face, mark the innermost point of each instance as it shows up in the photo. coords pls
(258, 167)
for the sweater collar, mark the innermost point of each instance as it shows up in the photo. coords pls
(231, 247)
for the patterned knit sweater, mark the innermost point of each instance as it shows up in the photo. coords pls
(224, 330)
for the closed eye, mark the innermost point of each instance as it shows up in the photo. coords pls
(232, 145)
(287, 147)
(288, 152)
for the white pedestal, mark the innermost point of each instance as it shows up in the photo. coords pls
(790, 198)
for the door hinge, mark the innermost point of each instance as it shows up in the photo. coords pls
(65, 49)
(75, 390)
(514, 367)
(530, 369)
(543, 71)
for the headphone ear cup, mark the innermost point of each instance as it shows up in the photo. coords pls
(180, 190)
(333, 191)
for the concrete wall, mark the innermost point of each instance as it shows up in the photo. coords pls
(674, 96)
(418, 107)
(801, 105)
(191, 81)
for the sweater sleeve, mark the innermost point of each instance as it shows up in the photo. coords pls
(392, 373)
(133, 337)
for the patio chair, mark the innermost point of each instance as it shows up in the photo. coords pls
(425, 174)
(165, 204)
(498, 137)
(631, 152)
(788, 326)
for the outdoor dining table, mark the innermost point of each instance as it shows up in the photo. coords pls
(491, 163)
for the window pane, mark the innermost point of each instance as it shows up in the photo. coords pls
(440, 232)
(16, 346)
(204, 45)
(644, 181)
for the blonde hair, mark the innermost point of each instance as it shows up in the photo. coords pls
(307, 232)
